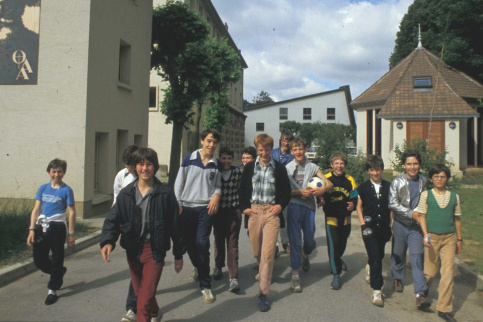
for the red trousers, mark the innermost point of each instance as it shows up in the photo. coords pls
(145, 278)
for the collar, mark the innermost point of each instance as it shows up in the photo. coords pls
(197, 156)
(271, 162)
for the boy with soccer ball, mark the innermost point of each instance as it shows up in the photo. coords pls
(301, 209)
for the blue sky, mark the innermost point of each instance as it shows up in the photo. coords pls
(300, 47)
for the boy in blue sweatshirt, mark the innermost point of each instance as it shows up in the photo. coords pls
(198, 190)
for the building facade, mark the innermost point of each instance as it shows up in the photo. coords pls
(88, 103)
(426, 98)
(160, 133)
(325, 107)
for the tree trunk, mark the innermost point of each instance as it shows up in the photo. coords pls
(194, 138)
(175, 153)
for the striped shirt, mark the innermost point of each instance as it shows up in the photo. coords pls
(263, 182)
(442, 201)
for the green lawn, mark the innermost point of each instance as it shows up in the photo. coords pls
(470, 191)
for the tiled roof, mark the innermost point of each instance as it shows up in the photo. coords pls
(399, 99)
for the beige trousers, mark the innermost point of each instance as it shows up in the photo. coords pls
(263, 227)
(442, 251)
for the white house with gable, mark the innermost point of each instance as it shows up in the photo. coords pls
(325, 107)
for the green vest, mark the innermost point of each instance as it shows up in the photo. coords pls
(440, 220)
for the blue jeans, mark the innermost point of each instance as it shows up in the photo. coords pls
(197, 229)
(300, 219)
(411, 237)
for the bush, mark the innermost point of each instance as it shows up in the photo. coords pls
(357, 168)
(14, 223)
(428, 157)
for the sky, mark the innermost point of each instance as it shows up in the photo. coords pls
(295, 48)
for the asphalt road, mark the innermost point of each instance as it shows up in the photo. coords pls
(96, 291)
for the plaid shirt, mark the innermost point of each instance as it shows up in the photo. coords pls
(263, 182)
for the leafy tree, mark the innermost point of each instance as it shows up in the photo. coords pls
(261, 99)
(332, 137)
(429, 157)
(192, 65)
(291, 126)
(453, 28)
(221, 68)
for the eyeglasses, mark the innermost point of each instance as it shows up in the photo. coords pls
(439, 177)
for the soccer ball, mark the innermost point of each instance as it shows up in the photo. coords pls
(315, 182)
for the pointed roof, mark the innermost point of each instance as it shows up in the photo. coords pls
(451, 90)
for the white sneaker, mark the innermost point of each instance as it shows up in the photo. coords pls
(208, 296)
(194, 274)
(158, 317)
(377, 298)
(129, 317)
(257, 277)
(368, 274)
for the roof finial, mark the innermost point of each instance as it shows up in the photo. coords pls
(420, 44)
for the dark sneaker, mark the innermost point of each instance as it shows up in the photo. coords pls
(51, 299)
(263, 303)
(305, 262)
(446, 316)
(335, 285)
(421, 302)
(398, 286)
(217, 274)
(234, 287)
(295, 284)
(343, 265)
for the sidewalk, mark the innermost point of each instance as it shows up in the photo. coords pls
(19, 270)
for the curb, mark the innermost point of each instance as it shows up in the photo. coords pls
(19, 270)
(468, 274)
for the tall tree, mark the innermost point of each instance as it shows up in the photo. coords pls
(261, 99)
(182, 54)
(221, 68)
(453, 28)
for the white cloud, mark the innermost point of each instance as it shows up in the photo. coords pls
(300, 47)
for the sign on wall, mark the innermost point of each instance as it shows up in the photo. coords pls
(19, 41)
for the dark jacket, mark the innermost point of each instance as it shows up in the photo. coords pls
(282, 189)
(344, 190)
(125, 219)
(375, 210)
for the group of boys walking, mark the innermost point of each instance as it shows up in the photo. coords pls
(211, 192)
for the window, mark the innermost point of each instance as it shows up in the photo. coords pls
(283, 113)
(152, 96)
(125, 63)
(422, 82)
(331, 113)
(260, 127)
(101, 150)
(307, 113)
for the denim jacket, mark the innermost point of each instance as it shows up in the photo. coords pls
(400, 199)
